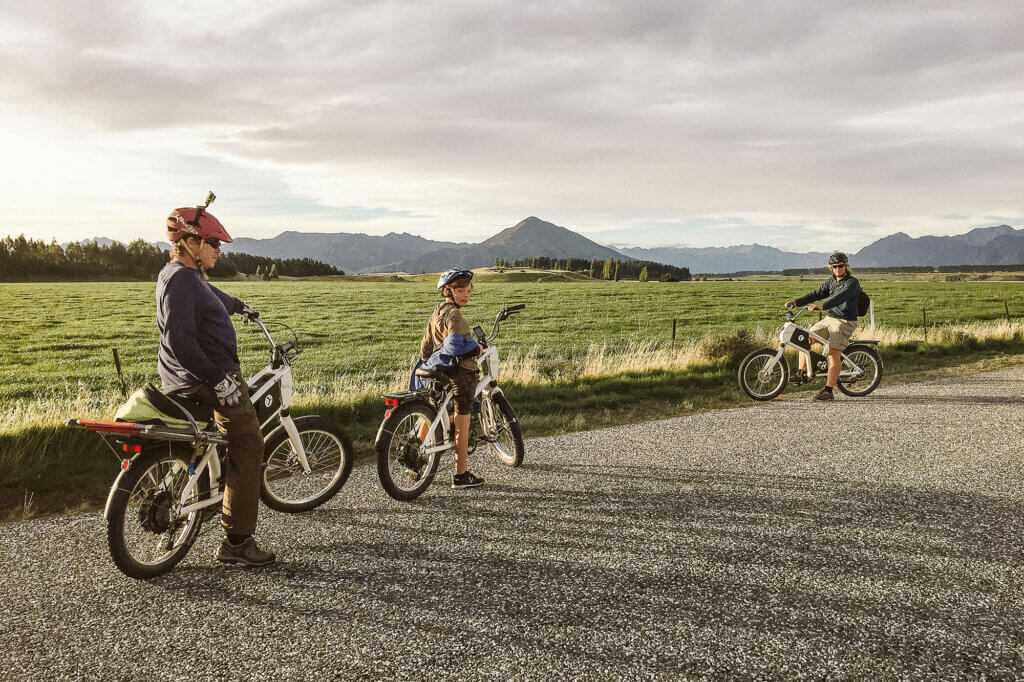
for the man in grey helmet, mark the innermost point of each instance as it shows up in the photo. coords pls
(841, 291)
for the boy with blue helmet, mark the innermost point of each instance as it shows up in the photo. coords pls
(456, 286)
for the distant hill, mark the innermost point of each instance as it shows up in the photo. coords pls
(351, 252)
(721, 259)
(531, 237)
(1001, 245)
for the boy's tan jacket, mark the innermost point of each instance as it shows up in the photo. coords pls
(446, 319)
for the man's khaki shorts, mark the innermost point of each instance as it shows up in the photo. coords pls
(838, 332)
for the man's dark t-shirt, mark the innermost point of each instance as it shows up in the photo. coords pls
(197, 340)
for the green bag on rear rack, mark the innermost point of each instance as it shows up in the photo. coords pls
(138, 408)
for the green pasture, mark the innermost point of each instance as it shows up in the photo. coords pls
(55, 338)
(55, 341)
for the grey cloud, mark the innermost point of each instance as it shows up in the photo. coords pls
(682, 105)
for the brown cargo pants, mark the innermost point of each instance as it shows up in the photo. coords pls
(243, 465)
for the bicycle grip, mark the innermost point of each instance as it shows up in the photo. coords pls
(515, 308)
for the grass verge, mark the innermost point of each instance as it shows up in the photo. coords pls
(46, 468)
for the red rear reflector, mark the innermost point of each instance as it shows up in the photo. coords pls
(125, 463)
(391, 402)
(387, 413)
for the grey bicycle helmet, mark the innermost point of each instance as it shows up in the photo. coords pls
(837, 257)
(449, 276)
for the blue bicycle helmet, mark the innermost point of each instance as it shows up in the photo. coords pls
(449, 276)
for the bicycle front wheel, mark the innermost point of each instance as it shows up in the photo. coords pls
(145, 533)
(761, 380)
(501, 428)
(405, 470)
(286, 487)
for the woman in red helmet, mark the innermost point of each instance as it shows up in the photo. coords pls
(198, 359)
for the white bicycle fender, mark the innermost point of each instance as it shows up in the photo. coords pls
(293, 435)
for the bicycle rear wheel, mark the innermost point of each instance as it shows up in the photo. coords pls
(145, 537)
(868, 373)
(405, 471)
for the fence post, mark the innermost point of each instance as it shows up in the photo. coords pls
(1007, 308)
(673, 330)
(924, 321)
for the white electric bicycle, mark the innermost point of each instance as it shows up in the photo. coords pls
(417, 427)
(764, 373)
(171, 476)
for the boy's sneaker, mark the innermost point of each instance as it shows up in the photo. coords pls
(465, 480)
(246, 553)
(825, 394)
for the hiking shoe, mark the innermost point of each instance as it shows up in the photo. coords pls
(246, 553)
(798, 378)
(465, 480)
(824, 394)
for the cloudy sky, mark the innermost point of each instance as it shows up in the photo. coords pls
(804, 125)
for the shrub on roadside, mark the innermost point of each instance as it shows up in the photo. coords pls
(729, 347)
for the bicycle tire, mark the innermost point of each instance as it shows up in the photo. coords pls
(285, 487)
(515, 445)
(149, 516)
(876, 359)
(772, 387)
(398, 459)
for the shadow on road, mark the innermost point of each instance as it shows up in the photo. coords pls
(670, 570)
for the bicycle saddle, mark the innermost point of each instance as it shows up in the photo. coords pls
(432, 373)
(202, 414)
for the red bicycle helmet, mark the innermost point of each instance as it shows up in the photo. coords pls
(195, 221)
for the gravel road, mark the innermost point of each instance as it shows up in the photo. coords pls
(759, 541)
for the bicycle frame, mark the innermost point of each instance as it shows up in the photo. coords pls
(794, 336)
(485, 388)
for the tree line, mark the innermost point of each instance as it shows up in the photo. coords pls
(609, 269)
(36, 259)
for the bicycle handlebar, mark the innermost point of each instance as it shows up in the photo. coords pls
(790, 315)
(266, 332)
(502, 314)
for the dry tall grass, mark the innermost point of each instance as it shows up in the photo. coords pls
(521, 367)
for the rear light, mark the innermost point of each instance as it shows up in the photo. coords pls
(131, 448)
(391, 402)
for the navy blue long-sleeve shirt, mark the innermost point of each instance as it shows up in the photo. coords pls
(842, 297)
(197, 339)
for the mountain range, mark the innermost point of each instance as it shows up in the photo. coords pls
(362, 253)
(393, 252)
(1001, 245)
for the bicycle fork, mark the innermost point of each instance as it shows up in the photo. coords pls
(293, 437)
(770, 365)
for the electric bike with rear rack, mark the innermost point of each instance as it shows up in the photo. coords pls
(407, 461)
(763, 374)
(171, 466)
